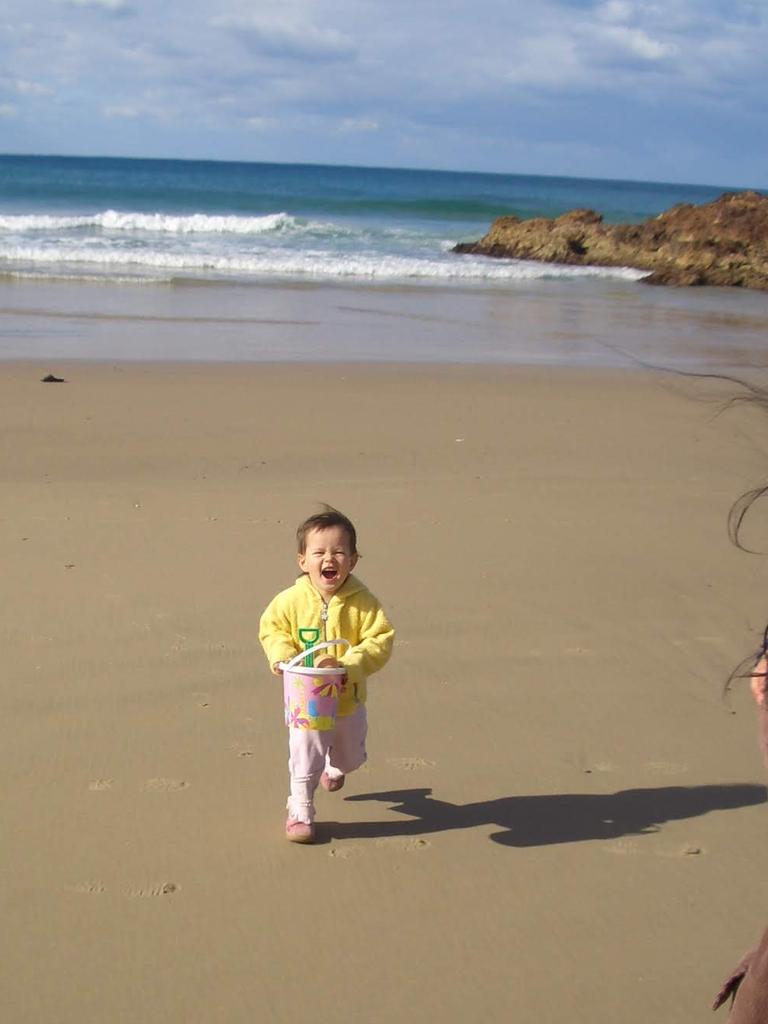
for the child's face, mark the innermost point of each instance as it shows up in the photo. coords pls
(327, 559)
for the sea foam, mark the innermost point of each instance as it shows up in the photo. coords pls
(270, 263)
(112, 220)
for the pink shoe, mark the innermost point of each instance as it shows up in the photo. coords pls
(332, 783)
(299, 831)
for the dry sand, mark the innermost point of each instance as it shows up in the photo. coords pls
(560, 819)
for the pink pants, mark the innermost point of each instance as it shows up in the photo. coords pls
(311, 752)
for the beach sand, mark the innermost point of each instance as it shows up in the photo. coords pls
(560, 819)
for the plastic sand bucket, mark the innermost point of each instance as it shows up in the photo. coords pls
(312, 694)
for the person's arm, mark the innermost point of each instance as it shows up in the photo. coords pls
(276, 635)
(373, 649)
(759, 681)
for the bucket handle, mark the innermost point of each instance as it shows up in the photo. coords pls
(318, 647)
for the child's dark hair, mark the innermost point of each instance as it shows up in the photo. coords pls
(752, 394)
(749, 394)
(324, 520)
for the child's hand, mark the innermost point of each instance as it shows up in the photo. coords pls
(328, 662)
(759, 682)
(276, 669)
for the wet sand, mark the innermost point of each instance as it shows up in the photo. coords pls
(585, 323)
(560, 818)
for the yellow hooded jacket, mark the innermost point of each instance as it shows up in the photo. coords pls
(353, 614)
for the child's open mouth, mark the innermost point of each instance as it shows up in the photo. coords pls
(329, 574)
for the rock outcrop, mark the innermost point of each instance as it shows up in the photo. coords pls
(722, 243)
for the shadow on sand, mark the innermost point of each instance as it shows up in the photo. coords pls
(548, 819)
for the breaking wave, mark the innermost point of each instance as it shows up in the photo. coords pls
(272, 263)
(156, 223)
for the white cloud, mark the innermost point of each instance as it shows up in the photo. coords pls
(615, 10)
(261, 124)
(551, 59)
(640, 44)
(125, 111)
(107, 5)
(357, 125)
(287, 38)
(26, 88)
(601, 49)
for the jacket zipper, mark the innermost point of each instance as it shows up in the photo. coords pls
(324, 620)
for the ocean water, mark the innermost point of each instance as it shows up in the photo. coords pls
(158, 220)
(161, 259)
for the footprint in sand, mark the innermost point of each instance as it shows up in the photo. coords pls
(99, 785)
(410, 764)
(625, 847)
(407, 845)
(243, 747)
(692, 850)
(89, 888)
(342, 852)
(666, 768)
(164, 785)
(635, 847)
(160, 889)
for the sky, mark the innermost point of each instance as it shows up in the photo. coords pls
(671, 91)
